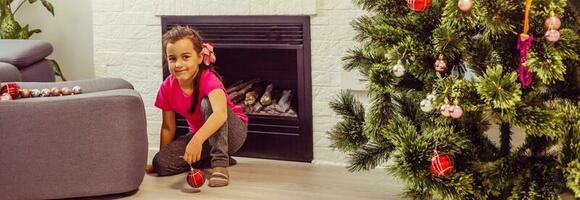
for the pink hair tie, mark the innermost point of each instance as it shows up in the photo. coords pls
(208, 55)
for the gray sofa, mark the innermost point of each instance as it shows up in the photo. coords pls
(24, 60)
(89, 144)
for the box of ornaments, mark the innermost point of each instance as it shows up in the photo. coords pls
(11, 91)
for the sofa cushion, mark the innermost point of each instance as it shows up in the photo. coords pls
(22, 53)
(9, 73)
(38, 72)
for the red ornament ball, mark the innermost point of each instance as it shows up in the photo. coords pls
(418, 5)
(441, 164)
(195, 178)
(12, 89)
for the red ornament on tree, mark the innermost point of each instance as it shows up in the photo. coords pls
(441, 164)
(195, 178)
(12, 89)
(418, 5)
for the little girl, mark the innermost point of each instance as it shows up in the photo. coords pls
(193, 90)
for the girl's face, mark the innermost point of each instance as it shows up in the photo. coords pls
(182, 59)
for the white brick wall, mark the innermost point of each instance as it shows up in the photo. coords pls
(127, 44)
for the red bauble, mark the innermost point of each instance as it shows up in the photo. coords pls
(441, 164)
(195, 178)
(418, 5)
(12, 89)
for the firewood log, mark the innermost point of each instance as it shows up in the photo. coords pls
(251, 98)
(241, 86)
(267, 96)
(239, 95)
(258, 107)
(284, 102)
(234, 85)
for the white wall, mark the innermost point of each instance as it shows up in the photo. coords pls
(70, 32)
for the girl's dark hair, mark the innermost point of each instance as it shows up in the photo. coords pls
(185, 32)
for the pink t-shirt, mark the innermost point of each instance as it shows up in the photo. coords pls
(171, 97)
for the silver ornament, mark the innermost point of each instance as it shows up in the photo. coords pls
(399, 69)
(5, 97)
(35, 92)
(77, 90)
(426, 105)
(431, 97)
(552, 36)
(45, 92)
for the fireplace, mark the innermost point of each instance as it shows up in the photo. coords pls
(275, 50)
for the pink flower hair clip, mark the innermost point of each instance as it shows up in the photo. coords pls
(207, 51)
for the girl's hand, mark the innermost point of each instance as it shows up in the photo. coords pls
(193, 151)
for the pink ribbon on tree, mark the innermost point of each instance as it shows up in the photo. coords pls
(208, 55)
(524, 74)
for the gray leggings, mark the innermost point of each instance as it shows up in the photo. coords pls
(225, 141)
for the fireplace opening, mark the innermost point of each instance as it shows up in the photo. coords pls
(265, 65)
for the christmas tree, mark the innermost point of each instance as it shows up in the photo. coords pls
(440, 72)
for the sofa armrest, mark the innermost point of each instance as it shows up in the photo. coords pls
(87, 86)
(9, 73)
(72, 142)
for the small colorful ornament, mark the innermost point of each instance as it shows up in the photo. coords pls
(445, 108)
(45, 92)
(77, 90)
(25, 93)
(399, 69)
(524, 74)
(54, 91)
(426, 105)
(465, 5)
(5, 97)
(441, 164)
(431, 96)
(195, 178)
(418, 5)
(524, 45)
(11, 89)
(552, 36)
(35, 92)
(66, 91)
(440, 64)
(455, 110)
(552, 22)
